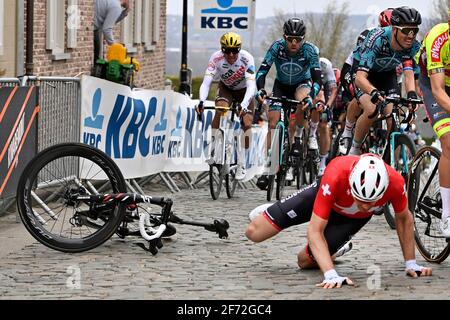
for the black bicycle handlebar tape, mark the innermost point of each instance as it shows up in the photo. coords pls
(284, 100)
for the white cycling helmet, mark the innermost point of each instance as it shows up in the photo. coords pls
(369, 178)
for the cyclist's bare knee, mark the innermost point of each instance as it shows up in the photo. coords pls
(260, 229)
(445, 145)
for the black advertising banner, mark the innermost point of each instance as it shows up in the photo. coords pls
(18, 134)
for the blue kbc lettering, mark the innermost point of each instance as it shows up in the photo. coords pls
(135, 139)
(223, 23)
(211, 21)
(190, 142)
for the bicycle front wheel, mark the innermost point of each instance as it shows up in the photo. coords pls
(281, 182)
(231, 183)
(425, 203)
(48, 186)
(404, 152)
(215, 180)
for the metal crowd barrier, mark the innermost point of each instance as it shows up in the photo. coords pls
(59, 117)
(9, 82)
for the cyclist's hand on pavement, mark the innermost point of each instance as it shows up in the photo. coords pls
(414, 270)
(261, 95)
(199, 109)
(332, 280)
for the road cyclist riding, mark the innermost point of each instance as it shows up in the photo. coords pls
(234, 68)
(298, 78)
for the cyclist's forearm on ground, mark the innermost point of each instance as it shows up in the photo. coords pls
(318, 244)
(405, 232)
(438, 88)
(204, 88)
(363, 83)
(249, 93)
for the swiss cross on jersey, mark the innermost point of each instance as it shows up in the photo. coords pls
(334, 192)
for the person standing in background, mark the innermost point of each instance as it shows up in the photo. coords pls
(106, 14)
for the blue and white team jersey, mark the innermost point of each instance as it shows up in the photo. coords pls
(375, 53)
(291, 70)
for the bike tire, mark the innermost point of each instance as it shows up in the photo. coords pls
(432, 247)
(399, 166)
(230, 184)
(312, 169)
(40, 181)
(281, 182)
(300, 174)
(215, 180)
(270, 187)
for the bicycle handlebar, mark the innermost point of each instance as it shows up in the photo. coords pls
(125, 198)
(289, 103)
(397, 101)
(284, 100)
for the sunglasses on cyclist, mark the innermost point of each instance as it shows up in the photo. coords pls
(408, 30)
(231, 50)
(292, 38)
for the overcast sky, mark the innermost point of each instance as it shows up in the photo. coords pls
(266, 8)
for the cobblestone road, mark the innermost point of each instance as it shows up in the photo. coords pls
(198, 265)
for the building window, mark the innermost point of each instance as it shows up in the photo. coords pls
(142, 27)
(128, 30)
(73, 23)
(150, 22)
(55, 36)
(2, 26)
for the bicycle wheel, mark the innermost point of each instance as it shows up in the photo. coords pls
(313, 169)
(281, 182)
(231, 183)
(334, 150)
(404, 152)
(270, 187)
(215, 180)
(45, 197)
(425, 203)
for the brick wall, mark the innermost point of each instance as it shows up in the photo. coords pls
(152, 74)
(80, 58)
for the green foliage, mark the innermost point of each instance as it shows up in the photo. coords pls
(196, 83)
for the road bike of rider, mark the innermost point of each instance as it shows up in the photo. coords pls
(234, 68)
(297, 77)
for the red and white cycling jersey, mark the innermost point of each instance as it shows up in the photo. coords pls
(334, 191)
(233, 76)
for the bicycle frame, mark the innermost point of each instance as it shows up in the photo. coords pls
(282, 127)
(100, 203)
(225, 136)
